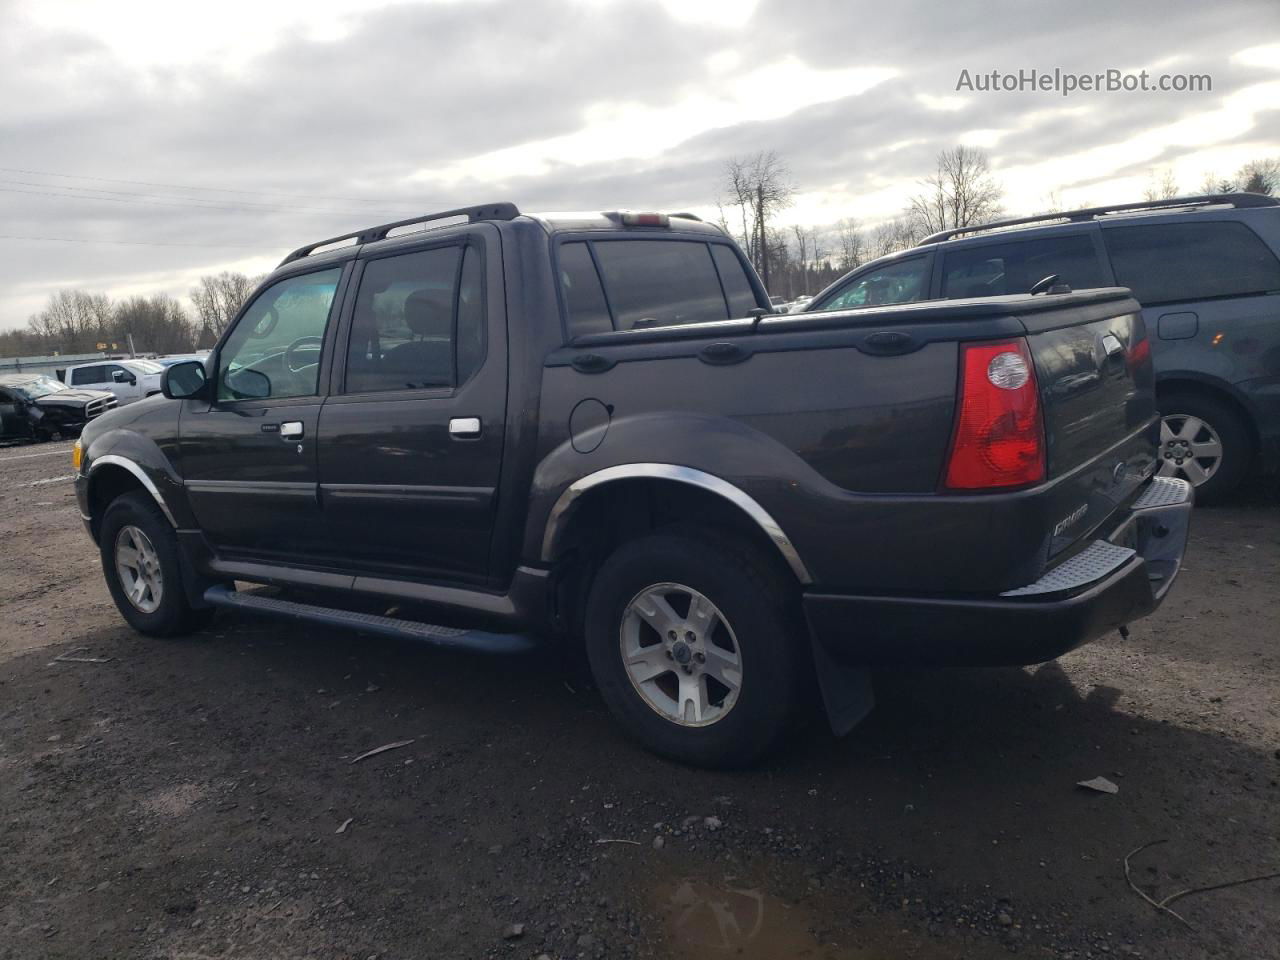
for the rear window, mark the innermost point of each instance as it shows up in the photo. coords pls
(992, 270)
(1164, 263)
(651, 283)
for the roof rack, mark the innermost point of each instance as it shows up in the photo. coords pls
(1216, 199)
(488, 211)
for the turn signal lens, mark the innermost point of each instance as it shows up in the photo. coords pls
(998, 440)
(77, 454)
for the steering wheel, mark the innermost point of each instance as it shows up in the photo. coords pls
(297, 345)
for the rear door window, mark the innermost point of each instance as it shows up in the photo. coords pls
(1172, 262)
(992, 270)
(86, 375)
(899, 282)
(418, 322)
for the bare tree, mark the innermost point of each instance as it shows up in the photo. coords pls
(217, 299)
(158, 324)
(852, 243)
(961, 193)
(1161, 185)
(74, 321)
(759, 187)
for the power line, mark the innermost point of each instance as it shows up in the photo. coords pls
(176, 186)
(212, 204)
(130, 243)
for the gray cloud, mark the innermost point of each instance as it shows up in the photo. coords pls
(420, 87)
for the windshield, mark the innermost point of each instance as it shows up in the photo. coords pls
(145, 366)
(40, 388)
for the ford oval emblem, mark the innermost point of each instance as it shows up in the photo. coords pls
(1119, 473)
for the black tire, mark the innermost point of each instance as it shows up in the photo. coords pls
(1225, 421)
(174, 616)
(760, 609)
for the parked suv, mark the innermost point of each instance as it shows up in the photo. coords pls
(129, 380)
(592, 427)
(1207, 274)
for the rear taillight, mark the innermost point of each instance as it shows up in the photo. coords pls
(998, 439)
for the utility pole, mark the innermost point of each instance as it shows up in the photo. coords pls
(132, 353)
(763, 244)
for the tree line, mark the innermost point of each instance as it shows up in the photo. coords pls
(755, 190)
(78, 321)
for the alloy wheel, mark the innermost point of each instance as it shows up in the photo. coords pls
(138, 567)
(681, 655)
(1189, 448)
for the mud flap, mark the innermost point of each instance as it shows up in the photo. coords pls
(846, 691)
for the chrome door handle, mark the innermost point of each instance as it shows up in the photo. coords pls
(291, 430)
(464, 428)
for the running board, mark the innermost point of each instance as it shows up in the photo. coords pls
(478, 641)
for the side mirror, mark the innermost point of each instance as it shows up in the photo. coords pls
(184, 381)
(119, 376)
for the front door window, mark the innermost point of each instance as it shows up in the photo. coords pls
(274, 351)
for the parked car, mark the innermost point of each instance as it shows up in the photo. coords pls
(39, 407)
(1206, 272)
(590, 427)
(128, 380)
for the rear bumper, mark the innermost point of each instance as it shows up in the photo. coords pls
(1109, 584)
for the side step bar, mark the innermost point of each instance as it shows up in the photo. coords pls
(478, 641)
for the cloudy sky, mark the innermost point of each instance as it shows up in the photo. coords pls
(149, 142)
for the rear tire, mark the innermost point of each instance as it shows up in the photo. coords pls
(140, 561)
(694, 645)
(1193, 423)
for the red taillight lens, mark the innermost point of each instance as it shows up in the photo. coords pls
(999, 438)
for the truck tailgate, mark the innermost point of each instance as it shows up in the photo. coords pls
(1097, 389)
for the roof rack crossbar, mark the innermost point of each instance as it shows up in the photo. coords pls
(1088, 213)
(489, 211)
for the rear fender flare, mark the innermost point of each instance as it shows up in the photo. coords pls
(714, 454)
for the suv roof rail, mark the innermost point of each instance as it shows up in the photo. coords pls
(489, 211)
(1089, 213)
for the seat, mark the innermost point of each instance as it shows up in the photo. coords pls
(427, 360)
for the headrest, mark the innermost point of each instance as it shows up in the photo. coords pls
(428, 313)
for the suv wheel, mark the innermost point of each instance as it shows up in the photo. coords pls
(693, 646)
(1202, 440)
(140, 560)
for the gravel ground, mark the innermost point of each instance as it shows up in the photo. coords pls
(198, 798)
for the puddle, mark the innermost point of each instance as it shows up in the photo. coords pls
(739, 920)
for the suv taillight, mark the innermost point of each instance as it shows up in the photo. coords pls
(998, 440)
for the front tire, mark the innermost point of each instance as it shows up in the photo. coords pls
(1204, 441)
(694, 644)
(143, 572)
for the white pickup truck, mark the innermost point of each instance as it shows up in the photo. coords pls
(129, 380)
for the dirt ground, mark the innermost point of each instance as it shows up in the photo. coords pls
(198, 798)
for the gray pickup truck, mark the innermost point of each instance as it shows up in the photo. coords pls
(595, 428)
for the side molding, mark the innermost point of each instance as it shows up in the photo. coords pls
(138, 472)
(686, 475)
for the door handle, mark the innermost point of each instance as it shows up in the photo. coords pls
(464, 428)
(291, 430)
